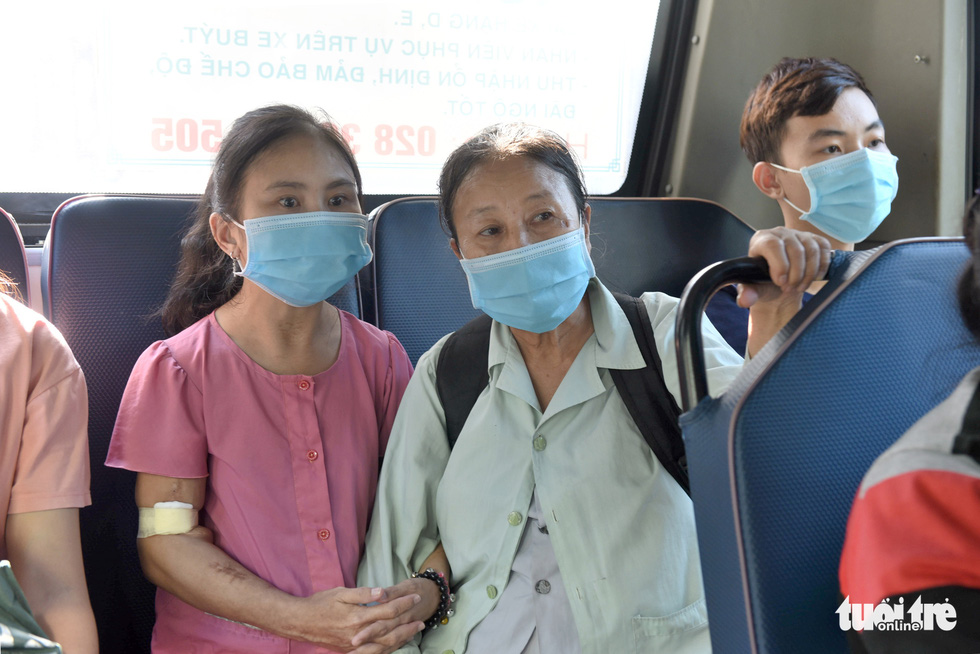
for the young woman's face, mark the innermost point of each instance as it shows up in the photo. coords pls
(299, 174)
(504, 205)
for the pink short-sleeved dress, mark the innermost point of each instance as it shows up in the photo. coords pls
(292, 462)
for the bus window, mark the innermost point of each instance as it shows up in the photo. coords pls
(137, 101)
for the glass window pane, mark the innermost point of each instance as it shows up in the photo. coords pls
(121, 97)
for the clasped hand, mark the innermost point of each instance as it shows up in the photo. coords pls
(340, 620)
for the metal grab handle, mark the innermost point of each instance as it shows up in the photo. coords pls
(687, 333)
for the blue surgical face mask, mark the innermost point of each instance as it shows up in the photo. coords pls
(534, 288)
(304, 258)
(849, 195)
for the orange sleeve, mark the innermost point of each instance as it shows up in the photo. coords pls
(915, 530)
(53, 463)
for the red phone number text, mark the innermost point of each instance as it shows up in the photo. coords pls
(191, 135)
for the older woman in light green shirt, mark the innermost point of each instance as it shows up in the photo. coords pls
(563, 530)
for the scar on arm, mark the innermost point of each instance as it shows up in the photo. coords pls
(233, 573)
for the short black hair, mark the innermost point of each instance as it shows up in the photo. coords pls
(794, 87)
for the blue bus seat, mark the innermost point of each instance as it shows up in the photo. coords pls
(420, 292)
(658, 244)
(109, 263)
(638, 244)
(775, 461)
(13, 256)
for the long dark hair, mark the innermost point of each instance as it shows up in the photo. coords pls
(204, 278)
(968, 289)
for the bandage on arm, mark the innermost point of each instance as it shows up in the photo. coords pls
(166, 518)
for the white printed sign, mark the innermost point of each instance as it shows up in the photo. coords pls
(136, 100)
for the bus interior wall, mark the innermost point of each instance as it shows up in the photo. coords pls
(914, 58)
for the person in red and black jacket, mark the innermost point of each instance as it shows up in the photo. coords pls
(914, 530)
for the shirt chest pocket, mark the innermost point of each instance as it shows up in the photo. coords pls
(682, 632)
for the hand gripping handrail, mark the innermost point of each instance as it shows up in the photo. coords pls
(694, 299)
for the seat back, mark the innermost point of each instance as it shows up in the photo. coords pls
(638, 244)
(13, 256)
(420, 292)
(775, 461)
(658, 244)
(110, 261)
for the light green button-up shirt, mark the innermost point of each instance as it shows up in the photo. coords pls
(621, 527)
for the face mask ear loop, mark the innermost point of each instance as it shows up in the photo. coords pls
(789, 170)
(802, 213)
(236, 264)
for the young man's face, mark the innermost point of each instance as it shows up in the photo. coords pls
(851, 125)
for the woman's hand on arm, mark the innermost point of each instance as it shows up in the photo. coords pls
(45, 553)
(796, 259)
(192, 568)
(333, 618)
(427, 589)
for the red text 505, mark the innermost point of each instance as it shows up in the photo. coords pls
(185, 135)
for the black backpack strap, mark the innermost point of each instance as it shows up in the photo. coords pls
(461, 373)
(968, 440)
(645, 394)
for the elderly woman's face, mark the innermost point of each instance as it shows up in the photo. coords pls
(508, 204)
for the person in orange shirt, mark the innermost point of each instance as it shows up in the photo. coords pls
(44, 471)
(909, 572)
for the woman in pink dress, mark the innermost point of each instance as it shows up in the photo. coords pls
(268, 410)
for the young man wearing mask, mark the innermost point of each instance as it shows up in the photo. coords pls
(812, 132)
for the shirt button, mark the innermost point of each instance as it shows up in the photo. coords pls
(304, 385)
(543, 587)
(540, 443)
(491, 591)
(514, 518)
(323, 534)
(312, 455)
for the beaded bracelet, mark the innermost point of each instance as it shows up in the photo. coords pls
(446, 598)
